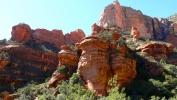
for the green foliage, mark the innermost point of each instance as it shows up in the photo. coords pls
(44, 46)
(45, 49)
(5, 55)
(125, 32)
(3, 41)
(68, 90)
(115, 93)
(15, 43)
(175, 49)
(169, 68)
(105, 34)
(74, 92)
(62, 69)
(75, 79)
(173, 17)
(72, 47)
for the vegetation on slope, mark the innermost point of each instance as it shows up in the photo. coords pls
(173, 18)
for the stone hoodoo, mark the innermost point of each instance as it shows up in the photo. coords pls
(94, 66)
(68, 57)
(101, 60)
(135, 33)
(126, 17)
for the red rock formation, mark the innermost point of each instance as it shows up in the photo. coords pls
(115, 35)
(66, 57)
(122, 66)
(7, 96)
(94, 66)
(104, 60)
(172, 38)
(96, 29)
(74, 37)
(135, 33)
(56, 79)
(175, 28)
(157, 49)
(23, 33)
(25, 64)
(126, 17)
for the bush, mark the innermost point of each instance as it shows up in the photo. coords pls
(3, 41)
(62, 69)
(45, 49)
(72, 47)
(5, 55)
(15, 43)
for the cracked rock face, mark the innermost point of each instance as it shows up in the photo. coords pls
(94, 66)
(126, 17)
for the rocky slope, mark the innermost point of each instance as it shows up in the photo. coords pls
(126, 17)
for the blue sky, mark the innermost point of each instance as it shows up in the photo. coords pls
(69, 15)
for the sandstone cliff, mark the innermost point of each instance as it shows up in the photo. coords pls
(126, 17)
(23, 33)
(20, 64)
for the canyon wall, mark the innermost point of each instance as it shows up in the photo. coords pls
(126, 17)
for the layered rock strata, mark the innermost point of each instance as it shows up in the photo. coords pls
(20, 64)
(157, 49)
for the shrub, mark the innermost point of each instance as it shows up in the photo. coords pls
(3, 41)
(15, 43)
(62, 69)
(5, 55)
(45, 49)
(72, 47)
